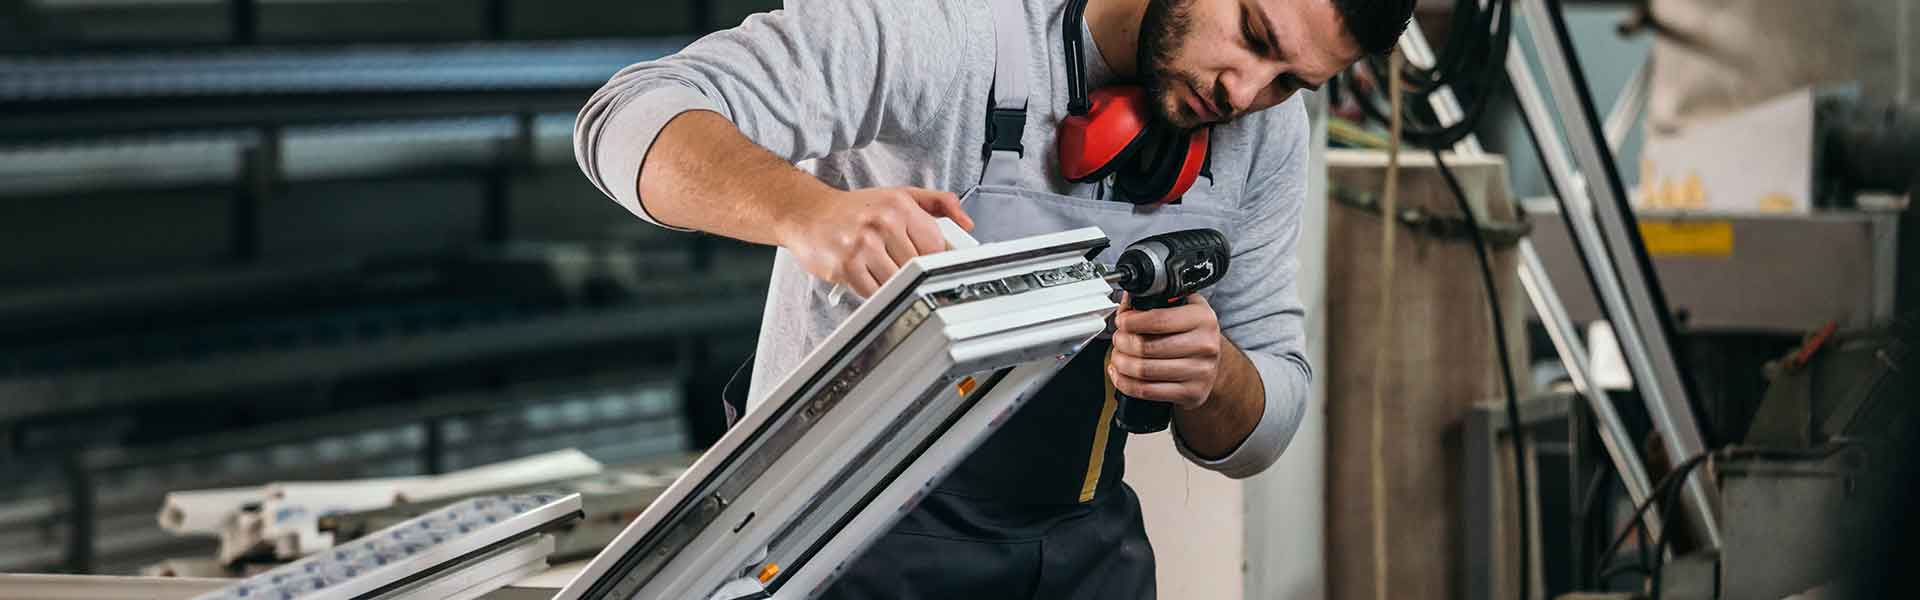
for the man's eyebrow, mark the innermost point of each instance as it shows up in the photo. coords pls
(1273, 46)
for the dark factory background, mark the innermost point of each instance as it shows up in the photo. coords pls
(269, 240)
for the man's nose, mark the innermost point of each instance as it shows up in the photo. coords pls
(1244, 87)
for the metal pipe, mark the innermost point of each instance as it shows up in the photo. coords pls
(1566, 341)
(1539, 286)
(1626, 109)
(1639, 317)
(1572, 193)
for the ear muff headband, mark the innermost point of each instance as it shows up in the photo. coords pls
(1076, 57)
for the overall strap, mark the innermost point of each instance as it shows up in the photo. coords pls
(1007, 102)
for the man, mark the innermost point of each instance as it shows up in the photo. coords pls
(864, 94)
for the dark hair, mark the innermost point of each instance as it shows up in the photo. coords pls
(1375, 24)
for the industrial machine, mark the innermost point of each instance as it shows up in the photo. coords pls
(1759, 490)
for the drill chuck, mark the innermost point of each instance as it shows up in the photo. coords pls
(1171, 265)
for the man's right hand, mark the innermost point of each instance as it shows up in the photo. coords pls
(702, 174)
(861, 238)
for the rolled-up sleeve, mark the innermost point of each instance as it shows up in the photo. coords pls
(1259, 307)
(817, 77)
(631, 123)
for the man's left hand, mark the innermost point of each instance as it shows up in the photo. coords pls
(1167, 354)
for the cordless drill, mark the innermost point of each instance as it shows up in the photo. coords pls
(1159, 272)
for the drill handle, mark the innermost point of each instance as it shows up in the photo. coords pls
(1140, 415)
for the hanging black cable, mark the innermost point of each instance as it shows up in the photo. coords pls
(1505, 356)
(1660, 496)
(1598, 488)
(1666, 538)
(1473, 65)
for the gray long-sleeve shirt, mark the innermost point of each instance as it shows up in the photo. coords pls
(868, 93)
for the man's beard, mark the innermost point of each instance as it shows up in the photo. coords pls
(1161, 31)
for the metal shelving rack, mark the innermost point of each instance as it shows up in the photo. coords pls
(501, 100)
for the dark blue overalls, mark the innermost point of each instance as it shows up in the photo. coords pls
(1038, 511)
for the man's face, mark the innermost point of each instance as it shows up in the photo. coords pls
(1210, 61)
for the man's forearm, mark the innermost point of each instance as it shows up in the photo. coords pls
(1238, 401)
(701, 173)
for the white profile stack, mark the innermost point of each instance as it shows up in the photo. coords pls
(459, 552)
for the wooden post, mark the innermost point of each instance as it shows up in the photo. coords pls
(1441, 362)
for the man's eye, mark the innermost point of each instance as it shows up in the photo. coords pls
(1246, 28)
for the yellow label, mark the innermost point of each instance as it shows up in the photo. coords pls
(1709, 239)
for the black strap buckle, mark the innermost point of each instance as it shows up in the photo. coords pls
(1004, 126)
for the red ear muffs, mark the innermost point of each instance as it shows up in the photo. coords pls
(1093, 145)
(1150, 163)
